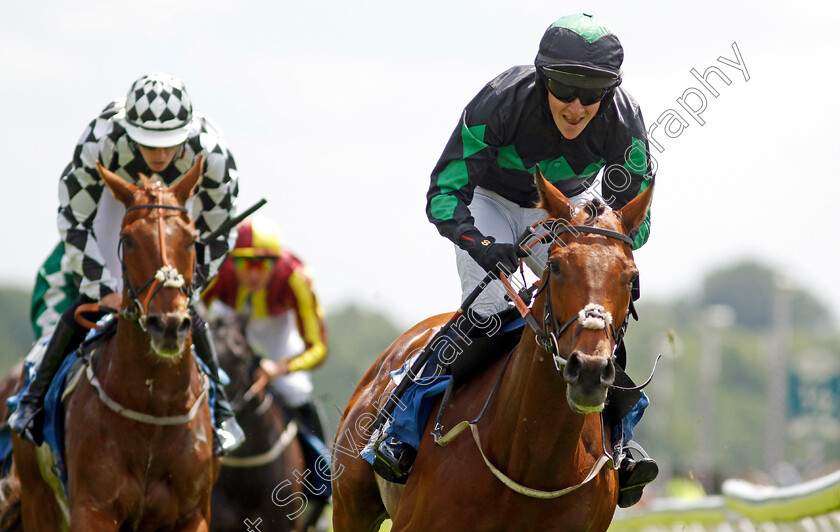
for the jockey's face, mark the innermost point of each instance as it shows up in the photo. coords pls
(158, 159)
(571, 118)
(253, 274)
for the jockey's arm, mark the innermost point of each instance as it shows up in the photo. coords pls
(310, 325)
(215, 201)
(80, 192)
(629, 166)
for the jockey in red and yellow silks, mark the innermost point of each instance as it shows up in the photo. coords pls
(272, 287)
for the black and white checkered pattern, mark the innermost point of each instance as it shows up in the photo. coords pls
(158, 101)
(81, 189)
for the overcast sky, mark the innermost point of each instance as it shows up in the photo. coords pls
(336, 112)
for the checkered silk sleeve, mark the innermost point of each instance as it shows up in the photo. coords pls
(81, 189)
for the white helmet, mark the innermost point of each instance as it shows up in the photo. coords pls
(158, 111)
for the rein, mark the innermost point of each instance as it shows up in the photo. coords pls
(593, 316)
(280, 444)
(166, 276)
(455, 431)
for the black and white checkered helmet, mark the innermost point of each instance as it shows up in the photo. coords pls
(158, 111)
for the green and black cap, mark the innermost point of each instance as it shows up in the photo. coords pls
(581, 50)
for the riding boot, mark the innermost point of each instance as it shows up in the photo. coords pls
(28, 418)
(307, 414)
(469, 350)
(633, 476)
(394, 458)
(228, 434)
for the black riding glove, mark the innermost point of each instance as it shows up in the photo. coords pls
(493, 257)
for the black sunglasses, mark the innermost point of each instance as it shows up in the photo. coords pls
(567, 93)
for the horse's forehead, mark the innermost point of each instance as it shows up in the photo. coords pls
(579, 249)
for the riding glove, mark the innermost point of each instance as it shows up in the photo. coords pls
(493, 256)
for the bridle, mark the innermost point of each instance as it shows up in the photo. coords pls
(592, 316)
(166, 276)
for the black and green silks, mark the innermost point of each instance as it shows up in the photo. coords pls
(507, 129)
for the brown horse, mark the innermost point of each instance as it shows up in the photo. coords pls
(534, 460)
(257, 481)
(138, 433)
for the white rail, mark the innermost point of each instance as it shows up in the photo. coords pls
(812, 506)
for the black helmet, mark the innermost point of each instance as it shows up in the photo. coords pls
(582, 51)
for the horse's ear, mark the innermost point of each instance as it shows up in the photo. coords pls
(119, 187)
(551, 199)
(633, 214)
(185, 187)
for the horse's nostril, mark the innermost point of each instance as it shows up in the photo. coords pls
(154, 324)
(571, 373)
(186, 324)
(608, 374)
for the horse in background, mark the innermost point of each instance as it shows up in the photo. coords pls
(539, 457)
(137, 428)
(258, 480)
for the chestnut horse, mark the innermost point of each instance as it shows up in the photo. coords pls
(138, 434)
(538, 457)
(257, 480)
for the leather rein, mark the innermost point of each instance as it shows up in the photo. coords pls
(547, 335)
(590, 317)
(166, 277)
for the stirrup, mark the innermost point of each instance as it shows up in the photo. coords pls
(229, 435)
(633, 445)
(390, 466)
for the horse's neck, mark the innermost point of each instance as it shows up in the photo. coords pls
(128, 367)
(260, 419)
(533, 426)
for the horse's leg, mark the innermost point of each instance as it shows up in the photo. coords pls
(357, 505)
(39, 509)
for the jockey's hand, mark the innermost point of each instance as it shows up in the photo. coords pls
(113, 300)
(494, 257)
(272, 369)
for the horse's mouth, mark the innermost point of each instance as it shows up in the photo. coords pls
(578, 407)
(167, 333)
(167, 352)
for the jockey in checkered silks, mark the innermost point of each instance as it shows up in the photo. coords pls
(154, 131)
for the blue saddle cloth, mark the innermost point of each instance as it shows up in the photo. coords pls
(408, 420)
(53, 428)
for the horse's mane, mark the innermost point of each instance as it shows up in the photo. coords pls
(147, 183)
(592, 209)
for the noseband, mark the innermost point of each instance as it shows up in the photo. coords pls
(166, 277)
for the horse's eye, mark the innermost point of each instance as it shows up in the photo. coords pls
(128, 243)
(554, 266)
